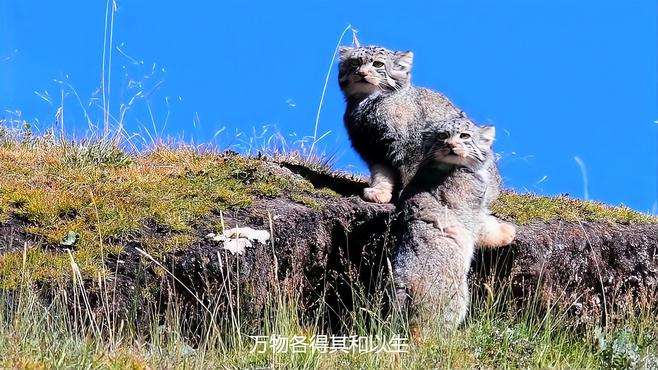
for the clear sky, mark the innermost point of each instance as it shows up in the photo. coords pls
(558, 78)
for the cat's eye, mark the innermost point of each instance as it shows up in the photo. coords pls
(464, 135)
(377, 64)
(442, 135)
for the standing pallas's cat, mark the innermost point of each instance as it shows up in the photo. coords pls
(383, 109)
(443, 211)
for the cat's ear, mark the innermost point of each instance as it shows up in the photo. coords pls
(487, 135)
(405, 59)
(344, 52)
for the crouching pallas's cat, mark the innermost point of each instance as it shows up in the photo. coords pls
(383, 108)
(443, 210)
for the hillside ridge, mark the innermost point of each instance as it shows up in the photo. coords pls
(119, 216)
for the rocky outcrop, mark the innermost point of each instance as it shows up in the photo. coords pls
(591, 270)
(332, 251)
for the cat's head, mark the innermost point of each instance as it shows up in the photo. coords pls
(364, 70)
(462, 143)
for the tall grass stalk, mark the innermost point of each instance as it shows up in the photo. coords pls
(324, 90)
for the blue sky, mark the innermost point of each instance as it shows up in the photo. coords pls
(559, 79)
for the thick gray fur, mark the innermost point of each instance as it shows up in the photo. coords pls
(378, 122)
(442, 211)
(393, 124)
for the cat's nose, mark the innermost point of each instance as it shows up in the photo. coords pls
(362, 72)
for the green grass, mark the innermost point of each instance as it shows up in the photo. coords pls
(526, 208)
(36, 335)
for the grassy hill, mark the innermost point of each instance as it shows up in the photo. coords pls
(105, 261)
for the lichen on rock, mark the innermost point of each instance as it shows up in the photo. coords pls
(238, 239)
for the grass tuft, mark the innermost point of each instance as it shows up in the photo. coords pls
(525, 208)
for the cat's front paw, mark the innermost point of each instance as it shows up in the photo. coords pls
(377, 195)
